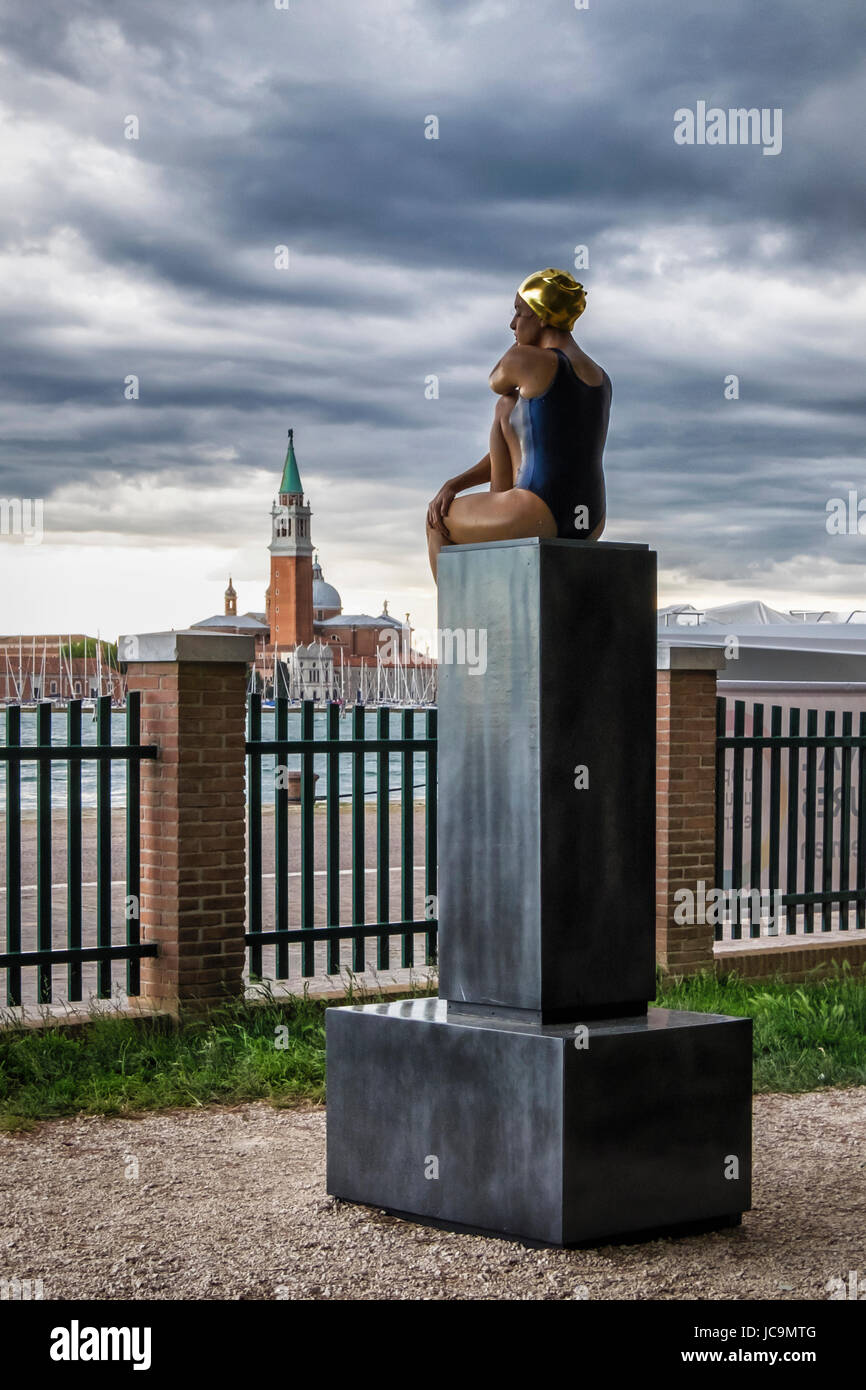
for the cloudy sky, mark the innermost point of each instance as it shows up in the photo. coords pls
(304, 127)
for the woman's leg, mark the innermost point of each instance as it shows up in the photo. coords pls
(435, 542)
(493, 516)
(505, 512)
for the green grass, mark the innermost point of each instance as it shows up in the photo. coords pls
(807, 1037)
(120, 1066)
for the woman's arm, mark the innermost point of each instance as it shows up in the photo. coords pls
(502, 377)
(438, 508)
(531, 368)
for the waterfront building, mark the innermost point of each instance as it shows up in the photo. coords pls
(57, 666)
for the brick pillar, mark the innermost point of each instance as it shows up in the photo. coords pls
(685, 800)
(193, 890)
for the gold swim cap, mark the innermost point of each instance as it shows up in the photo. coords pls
(555, 296)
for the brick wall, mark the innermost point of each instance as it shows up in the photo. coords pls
(795, 963)
(193, 894)
(685, 811)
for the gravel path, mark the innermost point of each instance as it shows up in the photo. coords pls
(231, 1204)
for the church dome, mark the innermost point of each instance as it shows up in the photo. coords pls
(325, 596)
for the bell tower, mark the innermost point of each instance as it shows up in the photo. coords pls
(290, 609)
(231, 600)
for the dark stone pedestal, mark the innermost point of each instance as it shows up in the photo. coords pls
(509, 1128)
(478, 1109)
(547, 889)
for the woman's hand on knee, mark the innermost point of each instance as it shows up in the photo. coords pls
(438, 509)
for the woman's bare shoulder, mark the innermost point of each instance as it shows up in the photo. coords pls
(534, 368)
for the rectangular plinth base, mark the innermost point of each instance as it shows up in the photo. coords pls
(556, 1134)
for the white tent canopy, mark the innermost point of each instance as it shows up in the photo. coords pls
(772, 645)
(751, 612)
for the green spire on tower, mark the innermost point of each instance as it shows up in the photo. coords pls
(291, 479)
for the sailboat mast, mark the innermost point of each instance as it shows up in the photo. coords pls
(71, 669)
(11, 676)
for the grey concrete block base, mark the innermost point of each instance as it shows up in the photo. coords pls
(538, 1132)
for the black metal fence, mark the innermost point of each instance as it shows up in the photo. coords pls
(31, 939)
(790, 836)
(357, 767)
(790, 839)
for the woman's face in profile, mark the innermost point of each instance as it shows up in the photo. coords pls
(525, 325)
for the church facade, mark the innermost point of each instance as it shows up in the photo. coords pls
(306, 646)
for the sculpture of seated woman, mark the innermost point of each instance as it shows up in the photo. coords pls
(549, 429)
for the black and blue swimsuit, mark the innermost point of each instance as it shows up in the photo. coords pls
(562, 435)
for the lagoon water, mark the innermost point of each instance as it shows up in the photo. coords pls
(118, 768)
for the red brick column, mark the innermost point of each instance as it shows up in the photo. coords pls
(685, 801)
(193, 889)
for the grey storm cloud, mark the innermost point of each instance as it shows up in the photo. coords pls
(306, 128)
